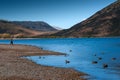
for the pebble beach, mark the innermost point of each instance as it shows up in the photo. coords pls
(14, 67)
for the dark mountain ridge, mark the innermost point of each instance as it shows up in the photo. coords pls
(105, 22)
(8, 29)
(35, 25)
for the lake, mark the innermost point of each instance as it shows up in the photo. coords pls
(86, 55)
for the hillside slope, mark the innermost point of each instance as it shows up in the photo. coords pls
(35, 25)
(8, 29)
(105, 22)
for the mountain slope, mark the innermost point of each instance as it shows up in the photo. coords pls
(35, 25)
(105, 22)
(7, 29)
(58, 28)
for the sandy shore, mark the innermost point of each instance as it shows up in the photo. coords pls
(12, 67)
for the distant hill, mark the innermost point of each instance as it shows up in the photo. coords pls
(105, 22)
(8, 29)
(58, 28)
(35, 25)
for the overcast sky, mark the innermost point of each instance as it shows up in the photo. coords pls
(61, 13)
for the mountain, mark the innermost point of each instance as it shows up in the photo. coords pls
(35, 25)
(104, 23)
(8, 29)
(58, 28)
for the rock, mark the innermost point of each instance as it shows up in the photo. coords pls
(94, 62)
(94, 54)
(66, 61)
(70, 50)
(113, 58)
(105, 65)
(99, 58)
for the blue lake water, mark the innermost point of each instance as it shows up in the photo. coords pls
(81, 53)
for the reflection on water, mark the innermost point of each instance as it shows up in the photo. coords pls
(98, 57)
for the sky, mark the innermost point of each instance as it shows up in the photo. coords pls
(59, 13)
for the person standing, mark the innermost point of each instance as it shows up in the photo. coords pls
(11, 41)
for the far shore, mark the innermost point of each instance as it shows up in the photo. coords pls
(13, 67)
(57, 37)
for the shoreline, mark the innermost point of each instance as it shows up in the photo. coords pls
(12, 67)
(58, 38)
